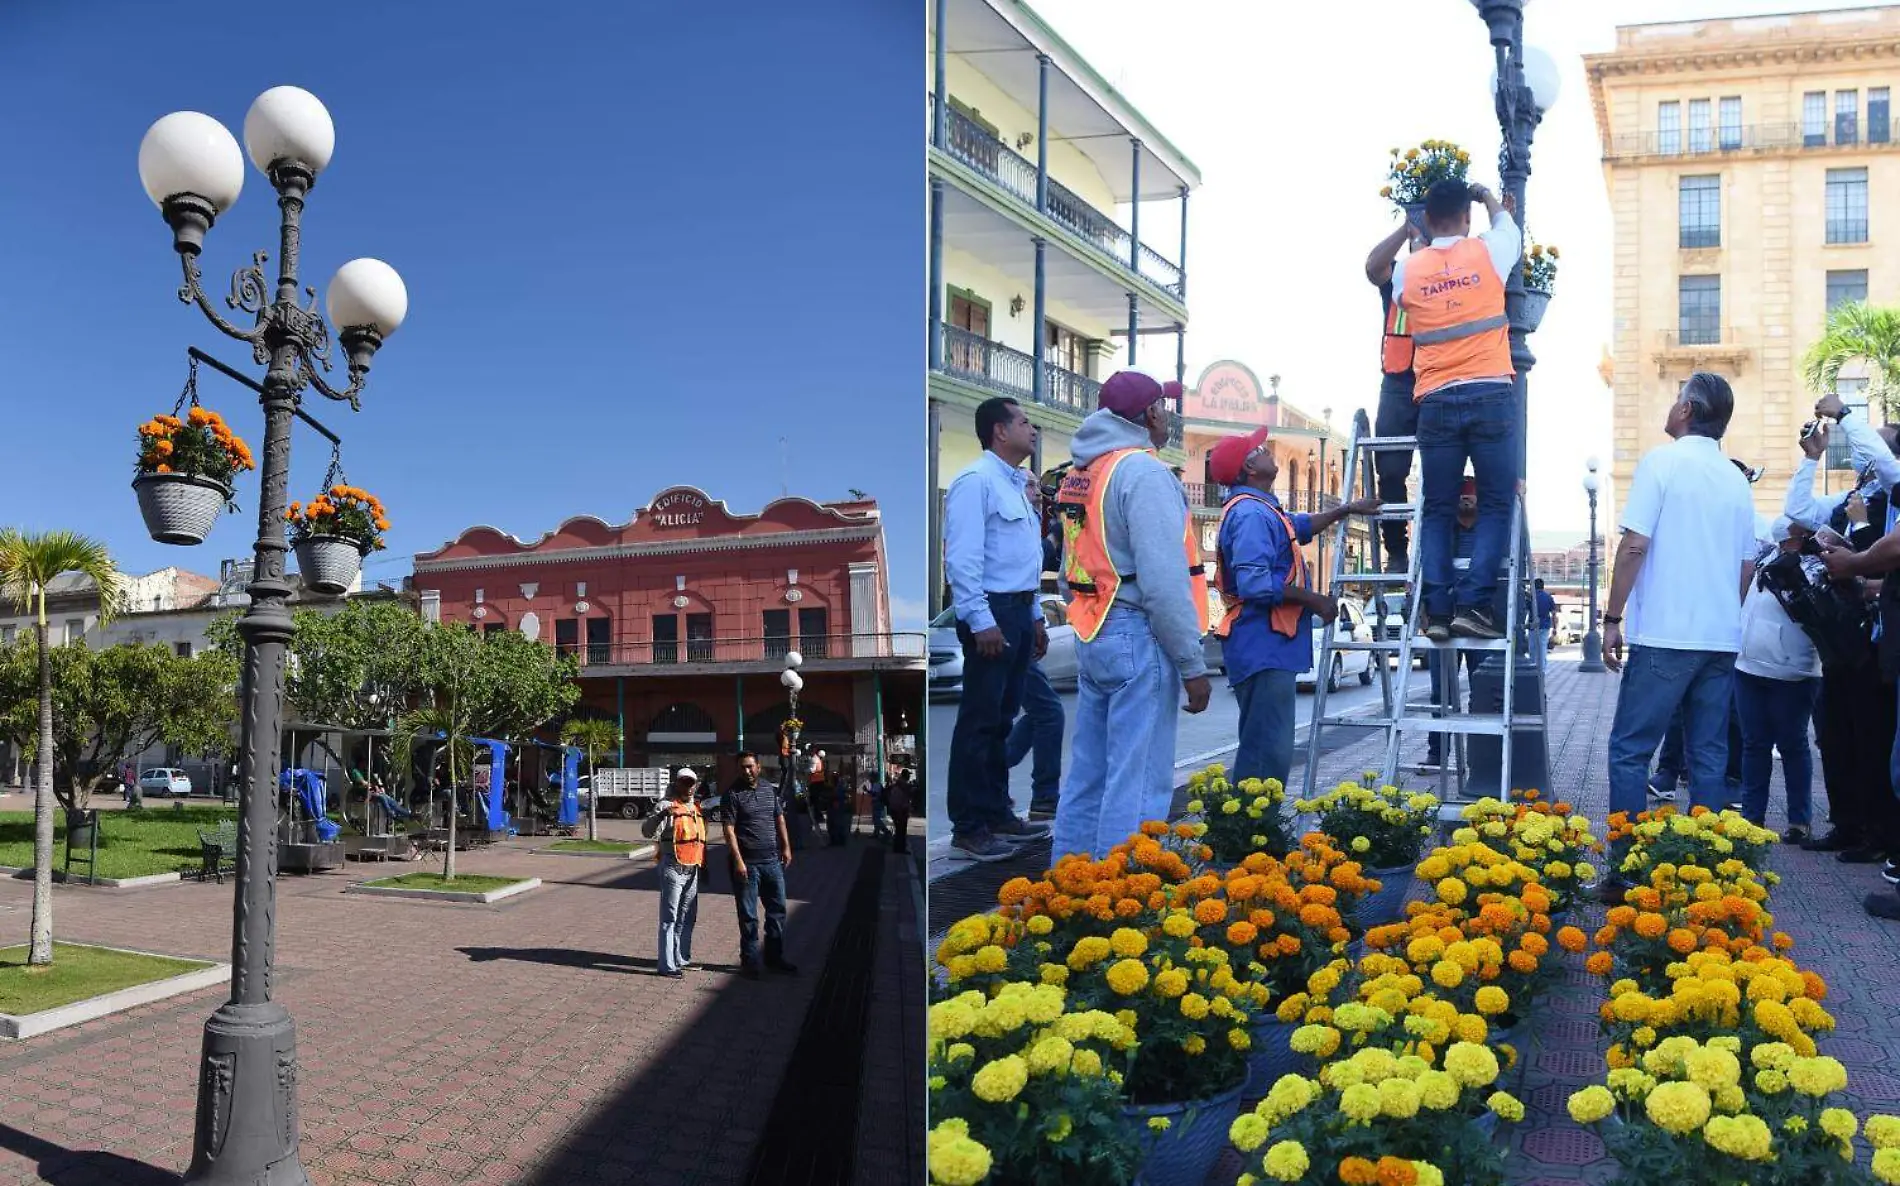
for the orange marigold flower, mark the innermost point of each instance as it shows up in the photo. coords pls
(1241, 934)
(1289, 944)
(1681, 940)
(1210, 911)
(1651, 926)
(1394, 1172)
(1621, 916)
(1014, 890)
(1357, 1171)
(1571, 939)
(1522, 961)
(1599, 964)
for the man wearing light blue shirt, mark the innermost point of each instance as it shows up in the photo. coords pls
(993, 559)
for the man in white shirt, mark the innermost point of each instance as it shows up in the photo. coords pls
(1682, 571)
(992, 558)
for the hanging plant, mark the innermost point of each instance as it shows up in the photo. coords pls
(333, 532)
(1415, 170)
(1540, 268)
(187, 464)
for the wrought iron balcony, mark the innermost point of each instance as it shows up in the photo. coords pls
(1006, 371)
(823, 652)
(971, 144)
(1206, 498)
(1751, 138)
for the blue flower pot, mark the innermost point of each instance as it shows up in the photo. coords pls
(1197, 1133)
(1270, 1056)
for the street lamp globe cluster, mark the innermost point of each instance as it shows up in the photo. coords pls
(193, 171)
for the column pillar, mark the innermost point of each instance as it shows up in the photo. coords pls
(1181, 288)
(1042, 132)
(1134, 326)
(620, 717)
(1039, 385)
(935, 350)
(1134, 208)
(940, 116)
(934, 494)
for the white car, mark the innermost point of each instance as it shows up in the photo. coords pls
(161, 781)
(946, 652)
(1352, 625)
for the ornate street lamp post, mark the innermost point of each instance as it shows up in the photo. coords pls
(190, 165)
(1593, 640)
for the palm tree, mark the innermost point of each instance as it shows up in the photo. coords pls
(1858, 332)
(593, 736)
(28, 564)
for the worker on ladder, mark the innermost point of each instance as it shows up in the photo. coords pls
(1452, 294)
(1398, 409)
(1268, 604)
(1138, 602)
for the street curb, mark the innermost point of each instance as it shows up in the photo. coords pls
(484, 898)
(645, 850)
(60, 875)
(18, 1027)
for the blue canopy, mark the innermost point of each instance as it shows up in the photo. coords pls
(308, 786)
(570, 787)
(493, 794)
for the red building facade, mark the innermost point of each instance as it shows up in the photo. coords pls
(682, 618)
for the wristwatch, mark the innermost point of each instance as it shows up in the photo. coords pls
(1609, 620)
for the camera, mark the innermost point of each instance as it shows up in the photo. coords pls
(1051, 480)
(1810, 428)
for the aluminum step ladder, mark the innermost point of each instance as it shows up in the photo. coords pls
(1446, 716)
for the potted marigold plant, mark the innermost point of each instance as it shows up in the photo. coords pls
(1412, 171)
(186, 467)
(332, 534)
(1242, 818)
(1540, 278)
(1382, 827)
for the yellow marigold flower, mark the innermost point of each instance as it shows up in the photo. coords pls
(1171, 982)
(1491, 1000)
(1128, 977)
(1507, 1106)
(955, 1158)
(1194, 1006)
(1746, 1137)
(1839, 1123)
(1249, 1131)
(1177, 925)
(1360, 1102)
(1883, 1132)
(1591, 1104)
(1002, 1080)
(1817, 1076)
(1886, 1165)
(1127, 942)
(1471, 1064)
(1678, 1107)
(1087, 1063)
(1287, 1161)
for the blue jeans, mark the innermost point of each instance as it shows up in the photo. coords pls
(992, 694)
(764, 880)
(1039, 729)
(1672, 768)
(1121, 766)
(1542, 651)
(1655, 682)
(1474, 422)
(679, 910)
(1775, 714)
(1398, 417)
(1267, 700)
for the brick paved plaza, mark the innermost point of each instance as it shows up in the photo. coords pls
(524, 1042)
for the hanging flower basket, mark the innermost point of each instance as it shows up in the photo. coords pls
(180, 508)
(187, 463)
(1412, 171)
(1536, 304)
(332, 534)
(1540, 280)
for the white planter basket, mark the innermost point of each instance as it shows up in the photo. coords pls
(180, 508)
(1535, 305)
(329, 565)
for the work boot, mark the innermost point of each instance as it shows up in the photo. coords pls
(981, 846)
(1398, 560)
(1864, 855)
(1476, 623)
(1795, 834)
(1042, 812)
(1834, 840)
(1438, 627)
(1011, 830)
(1885, 906)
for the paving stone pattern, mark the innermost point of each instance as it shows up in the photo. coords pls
(523, 1042)
(1818, 902)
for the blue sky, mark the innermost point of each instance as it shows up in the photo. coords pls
(642, 242)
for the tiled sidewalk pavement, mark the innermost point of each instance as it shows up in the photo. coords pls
(525, 1042)
(1818, 902)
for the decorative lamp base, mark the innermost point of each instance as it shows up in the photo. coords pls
(1592, 653)
(247, 1100)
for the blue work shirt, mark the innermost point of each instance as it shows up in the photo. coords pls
(1254, 557)
(1546, 609)
(992, 538)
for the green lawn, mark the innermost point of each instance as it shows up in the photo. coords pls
(131, 843)
(78, 972)
(466, 883)
(591, 846)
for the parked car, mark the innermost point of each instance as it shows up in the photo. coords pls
(161, 781)
(1351, 625)
(946, 652)
(1573, 628)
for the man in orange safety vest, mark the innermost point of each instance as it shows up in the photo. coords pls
(680, 830)
(1452, 294)
(1138, 602)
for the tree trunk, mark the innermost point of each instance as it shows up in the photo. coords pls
(41, 948)
(593, 794)
(448, 861)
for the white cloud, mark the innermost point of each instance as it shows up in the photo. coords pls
(908, 614)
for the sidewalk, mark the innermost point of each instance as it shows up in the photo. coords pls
(527, 1042)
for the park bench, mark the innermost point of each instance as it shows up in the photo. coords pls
(219, 847)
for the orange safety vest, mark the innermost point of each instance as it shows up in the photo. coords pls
(1454, 300)
(1089, 572)
(689, 835)
(1395, 356)
(1285, 617)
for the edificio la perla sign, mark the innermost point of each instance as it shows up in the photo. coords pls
(678, 510)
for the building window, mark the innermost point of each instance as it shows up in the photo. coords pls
(1814, 119)
(491, 629)
(600, 640)
(1731, 121)
(778, 633)
(814, 633)
(1847, 205)
(182, 650)
(567, 635)
(967, 352)
(75, 630)
(1701, 129)
(699, 638)
(1699, 314)
(1846, 286)
(1879, 123)
(1846, 117)
(666, 638)
(1669, 128)
(1066, 348)
(1699, 211)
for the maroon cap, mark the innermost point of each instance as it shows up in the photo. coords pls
(1129, 394)
(1226, 458)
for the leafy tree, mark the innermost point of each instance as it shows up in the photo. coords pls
(592, 735)
(28, 564)
(1858, 332)
(365, 647)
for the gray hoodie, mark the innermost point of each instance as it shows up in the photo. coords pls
(1147, 520)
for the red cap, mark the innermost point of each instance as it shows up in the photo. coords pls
(1129, 394)
(1225, 459)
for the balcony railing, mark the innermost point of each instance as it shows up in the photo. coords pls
(665, 653)
(1749, 138)
(1204, 496)
(992, 365)
(1700, 338)
(972, 145)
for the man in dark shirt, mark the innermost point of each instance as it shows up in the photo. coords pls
(760, 850)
